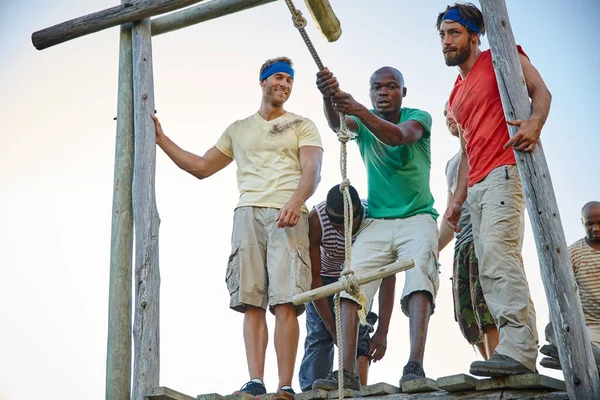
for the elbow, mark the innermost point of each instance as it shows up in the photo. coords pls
(200, 173)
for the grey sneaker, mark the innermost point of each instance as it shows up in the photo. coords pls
(498, 365)
(331, 382)
(413, 370)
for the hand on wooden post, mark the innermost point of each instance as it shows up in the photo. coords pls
(528, 135)
(160, 135)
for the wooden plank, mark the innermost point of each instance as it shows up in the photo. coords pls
(379, 389)
(118, 349)
(209, 396)
(348, 393)
(164, 393)
(524, 381)
(457, 383)
(239, 396)
(201, 13)
(557, 275)
(130, 11)
(419, 385)
(276, 396)
(316, 394)
(529, 395)
(551, 363)
(146, 330)
(487, 395)
(338, 286)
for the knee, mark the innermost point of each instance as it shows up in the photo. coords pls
(284, 311)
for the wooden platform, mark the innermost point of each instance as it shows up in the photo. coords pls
(455, 387)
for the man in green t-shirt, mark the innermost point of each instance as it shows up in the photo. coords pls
(394, 143)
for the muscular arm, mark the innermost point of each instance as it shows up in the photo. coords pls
(311, 158)
(391, 134)
(199, 166)
(314, 238)
(333, 117)
(446, 232)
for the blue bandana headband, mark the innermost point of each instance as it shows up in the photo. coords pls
(454, 15)
(279, 66)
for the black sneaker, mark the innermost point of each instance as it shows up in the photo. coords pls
(412, 370)
(254, 388)
(287, 389)
(499, 365)
(331, 382)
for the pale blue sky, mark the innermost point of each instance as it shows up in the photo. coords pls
(57, 108)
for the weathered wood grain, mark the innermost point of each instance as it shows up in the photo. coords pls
(348, 394)
(239, 396)
(164, 393)
(209, 396)
(581, 375)
(134, 10)
(316, 394)
(201, 13)
(379, 389)
(419, 385)
(118, 351)
(147, 276)
(367, 277)
(525, 381)
(457, 383)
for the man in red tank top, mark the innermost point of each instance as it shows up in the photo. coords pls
(489, 180)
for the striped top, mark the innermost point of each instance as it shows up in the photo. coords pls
(586, 266)
(333, 251)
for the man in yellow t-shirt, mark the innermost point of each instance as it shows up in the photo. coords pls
(278, 155)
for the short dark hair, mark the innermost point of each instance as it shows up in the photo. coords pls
(467, 11)
(273, 61)
(335, 199)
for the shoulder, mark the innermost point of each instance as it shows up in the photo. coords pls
(576, 247)
(421, 116)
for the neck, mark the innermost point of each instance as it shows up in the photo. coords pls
(594, 244)
(467, 66)
(269, 112)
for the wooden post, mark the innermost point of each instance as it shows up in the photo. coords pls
(581, 375)
(147, 276)
(128, 11)
(118, 353)
(200, 13)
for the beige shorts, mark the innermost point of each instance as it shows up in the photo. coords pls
(267, 265)
(594, 333)
(384, 241)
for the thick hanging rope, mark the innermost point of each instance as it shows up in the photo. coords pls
(347, 275)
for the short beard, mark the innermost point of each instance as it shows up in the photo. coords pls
(459, 58)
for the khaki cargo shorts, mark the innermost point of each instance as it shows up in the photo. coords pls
(267, 265)
(384, 241)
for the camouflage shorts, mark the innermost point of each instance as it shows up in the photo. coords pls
(470, 310)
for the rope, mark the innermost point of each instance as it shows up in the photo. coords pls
(347, 275)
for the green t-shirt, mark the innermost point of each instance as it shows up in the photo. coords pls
(398, 177)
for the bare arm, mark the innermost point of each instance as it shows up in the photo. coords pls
(391, 134)
(314, 238)
(328, 85)
(454, 210)
(530, 130)
(378, 343)
(446, 232)
(199, 166)
(311, 158)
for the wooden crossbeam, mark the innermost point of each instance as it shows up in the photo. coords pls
(131, 11)
(338, 286)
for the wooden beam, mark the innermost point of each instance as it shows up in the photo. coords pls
(200, 13)
(118, 352)
(338, 286)
(130, 11)
(146, 219)
(581, 375)
(165, 393)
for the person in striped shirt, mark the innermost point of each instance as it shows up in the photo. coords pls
(585, 259)
(327, 256)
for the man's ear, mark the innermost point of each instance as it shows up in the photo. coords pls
(404, 91)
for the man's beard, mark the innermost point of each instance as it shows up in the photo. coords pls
(459, 58)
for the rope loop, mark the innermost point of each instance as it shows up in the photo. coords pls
(299, 20)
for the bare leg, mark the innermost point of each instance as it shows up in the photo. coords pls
(256, 337)
(419, 311)
(362, 369)
(490, 339)
(287, 332)
(482, 350)
(349, 332)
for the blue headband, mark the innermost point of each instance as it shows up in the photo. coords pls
(279, 66)
(454, 15)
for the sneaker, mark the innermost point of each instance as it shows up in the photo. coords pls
(253, 387)
(287, 389)
(331, 382)
(498, 365)
(413, 370)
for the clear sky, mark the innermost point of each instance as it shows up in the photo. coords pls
(56, 112)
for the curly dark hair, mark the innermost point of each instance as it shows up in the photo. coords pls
(273, 61)
(335, 199)
(467, 11)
